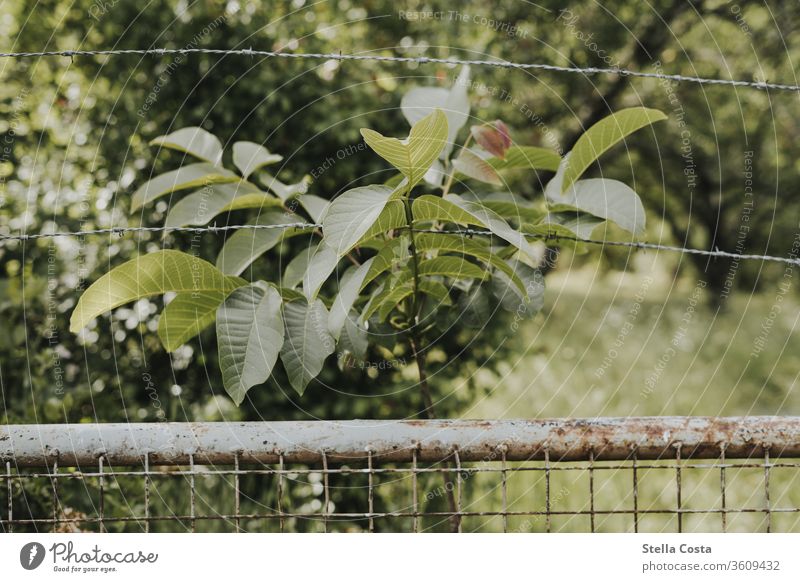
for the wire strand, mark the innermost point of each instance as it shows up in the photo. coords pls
(469, 232)
(120, 230)
(762, 85)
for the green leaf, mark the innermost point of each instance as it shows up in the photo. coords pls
(527, 157)
(393, 250)
(349, 288)
(397, 294)
(602, 136)
(249, 157)
(201, 207)
(308, 342)
(581, 224)
(147, 275)
(422, 101)
(454, 267)
(509, 206)
(523, 304)
(392, 217)
(473, 307)
(610, 200)
(436, 174)
(250, 334)
(607, 199)
(194, 141)
(322, 264)
(473, 166)
(314, 205)
(414, 156)
(465, 246)
(546, 230)
(436, 290)
(185, 177)
(352, 215)
(387, 297)
(429, 208)
(290, 295)
(492, 221)
(247, 244)
(297, 267)
(354, 339)
(186, 316)
(394, 181)
(281, 190)
(453, 208)
(399, 286)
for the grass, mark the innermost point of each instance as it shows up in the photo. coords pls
(632, 348)
(633, 345)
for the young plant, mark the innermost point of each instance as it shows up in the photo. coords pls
(408, 270)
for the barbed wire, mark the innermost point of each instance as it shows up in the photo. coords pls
(762, 85)
(121, 230)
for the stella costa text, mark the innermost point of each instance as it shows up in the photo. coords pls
(670, 549)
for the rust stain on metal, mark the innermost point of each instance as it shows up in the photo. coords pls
(433, 440)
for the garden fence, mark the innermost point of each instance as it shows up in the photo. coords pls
(603, 474)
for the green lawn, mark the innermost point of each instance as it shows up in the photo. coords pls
(595, 351)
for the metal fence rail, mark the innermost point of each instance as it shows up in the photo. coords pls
(605, 474)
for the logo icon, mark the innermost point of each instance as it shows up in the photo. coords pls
(31, 555)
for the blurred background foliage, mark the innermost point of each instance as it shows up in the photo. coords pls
(74, 136)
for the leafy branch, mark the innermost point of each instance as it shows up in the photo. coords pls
(398, 267)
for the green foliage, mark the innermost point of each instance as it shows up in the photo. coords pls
(148, 275)
(415, 155)
(308, 342)
(49, 105)
(604, 135)
(194, 141)
(250, 334)
(419, 261)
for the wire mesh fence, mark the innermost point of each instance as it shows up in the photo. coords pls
(667, 474)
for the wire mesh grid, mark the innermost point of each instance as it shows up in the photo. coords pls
(689, 486)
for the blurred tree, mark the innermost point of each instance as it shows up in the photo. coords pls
(74, 136)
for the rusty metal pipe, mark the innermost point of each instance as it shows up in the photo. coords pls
(434, 440)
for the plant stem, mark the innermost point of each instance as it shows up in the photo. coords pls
(415, 305)
(419, 357)
(452, 174)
